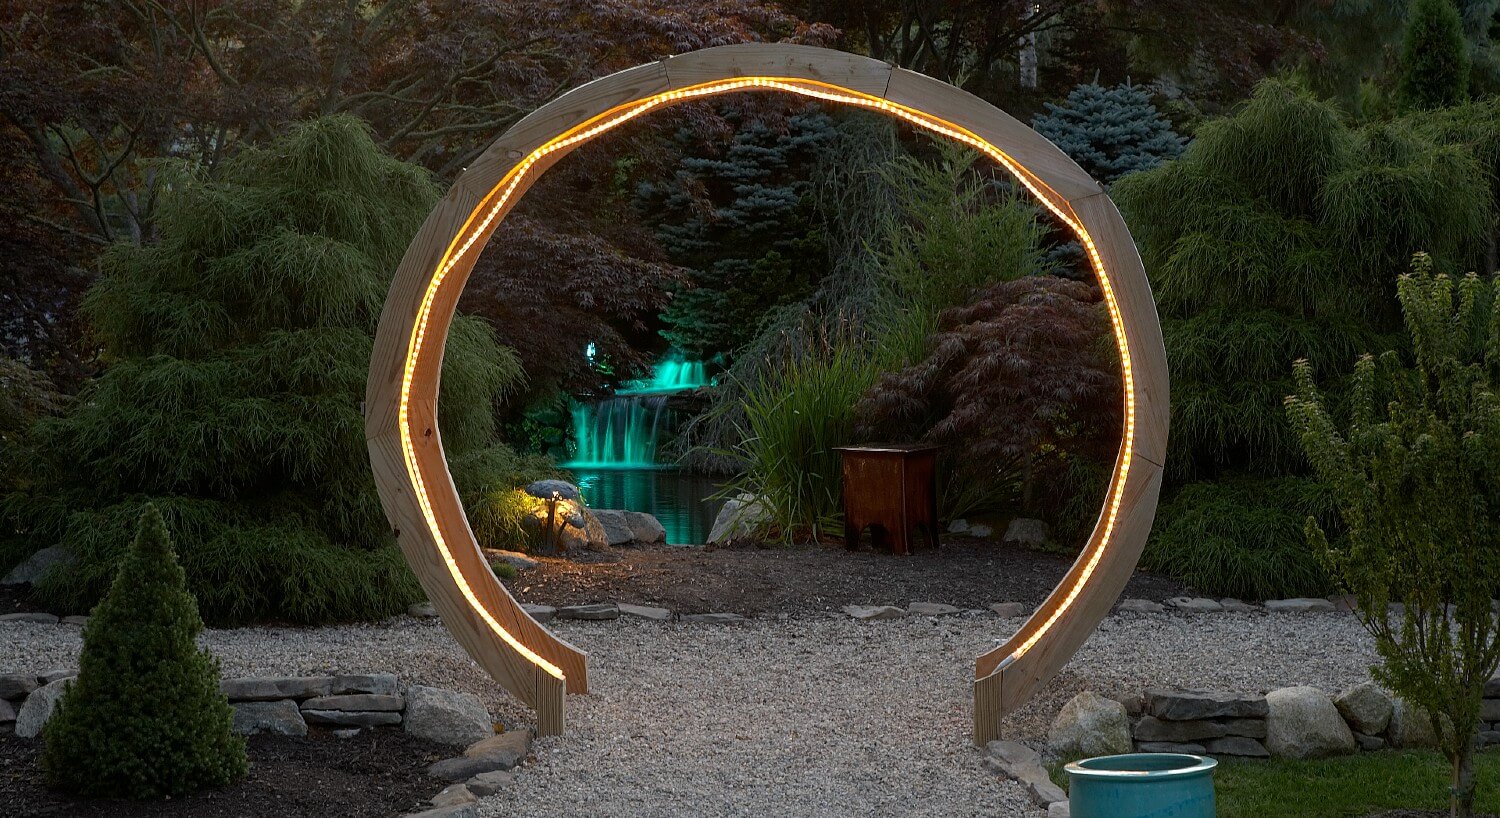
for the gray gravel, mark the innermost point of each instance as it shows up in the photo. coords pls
(809, 716)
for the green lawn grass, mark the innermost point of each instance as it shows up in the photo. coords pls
(1349, 786)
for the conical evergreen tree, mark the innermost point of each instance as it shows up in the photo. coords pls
(1110, 132)
(742, 223)
(239, 349)
(1434, 57)
(145, 717)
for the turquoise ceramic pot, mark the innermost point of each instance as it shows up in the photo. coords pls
(1142, 785)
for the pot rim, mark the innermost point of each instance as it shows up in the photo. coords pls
(1191, 765)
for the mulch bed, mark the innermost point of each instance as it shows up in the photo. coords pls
(375, 773)
(753, 580)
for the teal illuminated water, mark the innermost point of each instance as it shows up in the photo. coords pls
(616, 457)
(680, 500)
(672, 374)
(622, 432)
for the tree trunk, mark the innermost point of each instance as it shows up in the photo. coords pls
(1462, 804)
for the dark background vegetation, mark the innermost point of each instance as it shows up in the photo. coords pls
(200, 204)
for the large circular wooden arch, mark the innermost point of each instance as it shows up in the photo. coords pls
(405, 443)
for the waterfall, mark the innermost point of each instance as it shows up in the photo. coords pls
(621, 432)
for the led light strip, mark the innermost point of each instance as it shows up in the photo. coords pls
(497, 199)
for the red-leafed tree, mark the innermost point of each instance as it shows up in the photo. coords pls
(94, 94)
(1024, 375)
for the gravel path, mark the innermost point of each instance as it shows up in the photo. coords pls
(808, 716)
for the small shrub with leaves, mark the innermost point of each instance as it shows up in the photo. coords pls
(145, 717)
(1415, 475)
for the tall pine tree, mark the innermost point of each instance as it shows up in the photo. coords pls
(742, 222)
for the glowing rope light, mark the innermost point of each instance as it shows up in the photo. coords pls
(496, 200)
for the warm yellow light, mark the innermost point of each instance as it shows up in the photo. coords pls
(494, 203)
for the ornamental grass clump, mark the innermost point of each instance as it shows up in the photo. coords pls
(145, 717)
(1415, 476)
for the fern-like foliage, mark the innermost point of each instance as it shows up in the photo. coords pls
(239, 349)
(1278, 236)
(1415, 475)
(1023, 380)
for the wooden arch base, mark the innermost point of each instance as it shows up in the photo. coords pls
(406, 448)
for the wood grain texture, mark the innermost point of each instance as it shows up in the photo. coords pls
(407, 458)
(786, 60)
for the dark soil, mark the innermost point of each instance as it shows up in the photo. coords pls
(375, 773)
(965, 572)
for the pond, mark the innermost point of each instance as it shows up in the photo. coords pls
(682, 501)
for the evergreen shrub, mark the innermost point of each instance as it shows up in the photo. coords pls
(238, 350)
(144, 718)
(1110, 132)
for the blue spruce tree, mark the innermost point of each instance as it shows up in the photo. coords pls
(742, 223)
(1110, 131)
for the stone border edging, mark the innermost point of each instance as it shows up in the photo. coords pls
(344, 703)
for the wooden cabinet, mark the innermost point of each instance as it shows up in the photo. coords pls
(892, 490)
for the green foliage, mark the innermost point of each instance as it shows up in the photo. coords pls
(1110, 132)
(795, 415)
(742, 223)
(952, 234)
(1434, 57)
(25, 396)
(1415, 474)
(144, 718)
(1278, 236)
(240, 345)
(1241, 538)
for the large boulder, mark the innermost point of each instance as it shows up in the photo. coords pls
(1090, 725)
(574, 528)
(446, 716)
(1026, 532)
(38, 708)
(1304, 723)
(282, 718)
(645, 528)
(1411, 727)
(33, 567)
(1366, 708)
(616, 529)
(741, 518)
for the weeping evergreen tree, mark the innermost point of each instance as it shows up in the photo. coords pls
(238, 349)
(1278, 236)
(1110, 132)
(1434, 57)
